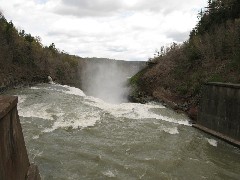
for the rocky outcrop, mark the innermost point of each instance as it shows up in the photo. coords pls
(168, 99)
(14, 162)
(9, 81)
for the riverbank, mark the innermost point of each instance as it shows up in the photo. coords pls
(152, 84)
(169, 100)
(175, 75)
(8, 84)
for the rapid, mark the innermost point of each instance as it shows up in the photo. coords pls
(70, 135)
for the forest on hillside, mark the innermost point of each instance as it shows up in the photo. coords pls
(212, 53)
(25, 60)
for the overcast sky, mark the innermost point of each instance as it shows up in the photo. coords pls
(118, 29)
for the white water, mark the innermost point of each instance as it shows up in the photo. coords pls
(73, 136)
(81, 119)
(212, 142)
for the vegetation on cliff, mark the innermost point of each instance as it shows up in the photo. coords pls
(24, 60)
(212, 53)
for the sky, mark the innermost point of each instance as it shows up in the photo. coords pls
(118, 29)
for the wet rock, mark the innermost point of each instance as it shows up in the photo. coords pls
(193, 112)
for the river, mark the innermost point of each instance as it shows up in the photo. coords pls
(73, 136)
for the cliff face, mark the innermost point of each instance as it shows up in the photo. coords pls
(14, 162)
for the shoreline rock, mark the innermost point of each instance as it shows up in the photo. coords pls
(178, 105)
(18, 84)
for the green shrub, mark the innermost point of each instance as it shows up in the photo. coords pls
(216, 78)
(134, 80)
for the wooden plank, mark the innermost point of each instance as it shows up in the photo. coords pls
(6, 104)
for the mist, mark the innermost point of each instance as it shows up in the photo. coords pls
(107, 79)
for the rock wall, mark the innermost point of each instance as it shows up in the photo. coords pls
(14, 162)
(219, 111)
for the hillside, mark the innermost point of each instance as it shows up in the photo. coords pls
(212, 53)
(24, 60)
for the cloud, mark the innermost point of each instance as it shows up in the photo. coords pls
(167, 6)
(85, 8)
(41, 1)
(117, 49)
(178, 36)
(102, 8)
(119, 29)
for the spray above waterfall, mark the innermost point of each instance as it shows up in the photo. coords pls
(107, 79)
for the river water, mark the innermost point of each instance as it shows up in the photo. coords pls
(73, 136)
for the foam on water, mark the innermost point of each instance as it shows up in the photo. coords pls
(76, 118)
(133, 110)
(128, 140)
(109, 174)
(35, 137)
(34, 88)
(69, 89)
(74, 91)
(82, 120)
(172, 130)
(73, 117)
(37, 111)
(21, 98)
(212, 142)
